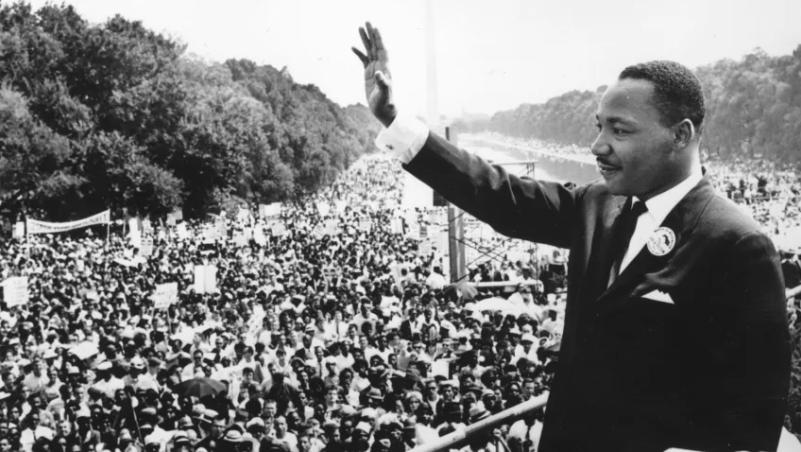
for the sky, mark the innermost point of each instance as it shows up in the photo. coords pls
(488, 55)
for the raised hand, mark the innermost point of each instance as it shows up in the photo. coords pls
(377, 80)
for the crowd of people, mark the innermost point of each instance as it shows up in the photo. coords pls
(330, 329)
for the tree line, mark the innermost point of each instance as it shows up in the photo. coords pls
(753, 111)
(117, 116)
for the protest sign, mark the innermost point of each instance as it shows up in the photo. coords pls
(15, 291)
(205, 278)
(270, 210)
(425, 248)
(146, 246)
(413, 230)
(147, 227)
(176, 215)
(396, 226)
(331, 227)
(258, 235)
(133, 226)
(165, 295)
(19, 230)
(278, 230)
(183, 234)
(440, 367)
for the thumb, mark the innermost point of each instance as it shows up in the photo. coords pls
(382, 80)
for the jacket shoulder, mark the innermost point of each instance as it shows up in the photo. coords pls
(722, 218)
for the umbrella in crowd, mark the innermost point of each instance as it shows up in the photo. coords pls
(498, 304)
(200, 387)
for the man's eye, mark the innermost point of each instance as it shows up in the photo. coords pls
(619, 131)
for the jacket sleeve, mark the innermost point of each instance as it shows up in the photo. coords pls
(756, 383)
(519, 207)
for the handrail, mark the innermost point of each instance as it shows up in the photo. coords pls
(462, 435)
(789, 293)
(496, 284)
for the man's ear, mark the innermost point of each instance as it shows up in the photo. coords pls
(683, 133)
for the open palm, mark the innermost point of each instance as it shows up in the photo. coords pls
(377, 80)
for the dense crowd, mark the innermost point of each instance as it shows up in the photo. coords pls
(330, 329)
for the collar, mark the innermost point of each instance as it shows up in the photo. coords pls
(660, 205)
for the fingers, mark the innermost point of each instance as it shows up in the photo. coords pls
(365, 41)
(381, 52)
(361, 56)
(371, 36)
(373, 44)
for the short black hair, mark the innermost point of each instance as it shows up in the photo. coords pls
(677, 91)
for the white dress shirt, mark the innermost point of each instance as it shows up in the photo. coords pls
(659, 207)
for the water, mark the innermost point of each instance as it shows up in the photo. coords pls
(579, 169)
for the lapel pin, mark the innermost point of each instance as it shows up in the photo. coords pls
(662, 241)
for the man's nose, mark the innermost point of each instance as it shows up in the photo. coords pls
(600, 146)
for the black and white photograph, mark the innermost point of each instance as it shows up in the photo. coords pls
(400, 226)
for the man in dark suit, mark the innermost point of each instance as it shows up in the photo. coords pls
(675, 329)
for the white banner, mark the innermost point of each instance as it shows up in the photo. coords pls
(46, 227)
(165, 295)
(15, 291)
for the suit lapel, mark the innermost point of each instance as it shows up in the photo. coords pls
(599, 261)
(681, 220)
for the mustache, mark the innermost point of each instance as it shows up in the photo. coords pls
(604, 162)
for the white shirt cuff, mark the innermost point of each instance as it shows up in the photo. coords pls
(404, 138)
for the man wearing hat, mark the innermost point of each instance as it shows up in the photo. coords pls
(255, 427)
(216, 429)
(526, 349)
(106, 382)
(33, 378)
(149, 379)
(181, 443)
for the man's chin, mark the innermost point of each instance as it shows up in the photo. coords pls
(615, 187)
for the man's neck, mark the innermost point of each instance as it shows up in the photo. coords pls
(693, 170)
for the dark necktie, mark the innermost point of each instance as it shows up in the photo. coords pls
(624, 229)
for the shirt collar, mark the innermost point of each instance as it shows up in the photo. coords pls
(660, 205)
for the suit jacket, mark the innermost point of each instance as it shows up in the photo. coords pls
(709, 371)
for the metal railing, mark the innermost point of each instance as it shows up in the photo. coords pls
(461, 436)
